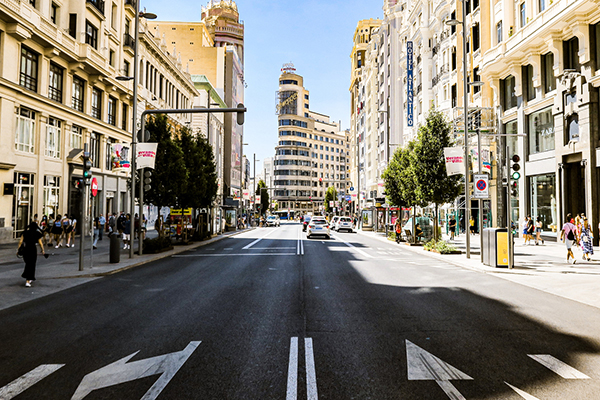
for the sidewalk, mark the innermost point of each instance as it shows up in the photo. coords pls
(60, 270)
(543, 267)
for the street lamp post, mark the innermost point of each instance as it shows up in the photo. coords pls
(254, 187)
(466, 116)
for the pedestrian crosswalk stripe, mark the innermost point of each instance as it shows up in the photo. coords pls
(521, 393)
(559, 367)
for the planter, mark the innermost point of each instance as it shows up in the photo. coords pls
(447, 252)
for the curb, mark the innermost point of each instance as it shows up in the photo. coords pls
(159, 256)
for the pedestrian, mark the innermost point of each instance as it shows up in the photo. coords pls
(112, 223)
(49, 226)
(29, 238)
(96, 229)
(530, 229)
(42, 227)
(73, 231)
(101, 225)
(587, 239)
(524, 227)
(461, 222)
(136, 226)
(120, 220)
(398, 226)
(127, 232)
(57, 231)
(568, 234)
(472, 225)
(538, 231)
(452, 227)
(67, 229)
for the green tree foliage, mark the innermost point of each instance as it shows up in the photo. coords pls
(262, 191)
(170, 175)
(433, 185)
(330, 195)
(399, 178)
(202, 186)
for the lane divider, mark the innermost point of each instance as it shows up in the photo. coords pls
(311, 375)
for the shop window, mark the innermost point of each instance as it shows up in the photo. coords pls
(542, 189)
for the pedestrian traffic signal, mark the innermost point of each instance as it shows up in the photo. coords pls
(516, 167)
(147, 180)
(513, 188)
(87, 167)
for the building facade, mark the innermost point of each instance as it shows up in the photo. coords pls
(312, 152)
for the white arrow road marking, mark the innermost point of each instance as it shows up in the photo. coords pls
(121, 372)
(26, 381)
(423, 365)
(292, 383)
(521, 393)
(311, 375)
(559, 367)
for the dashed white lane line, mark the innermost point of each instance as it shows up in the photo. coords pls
(559, 367)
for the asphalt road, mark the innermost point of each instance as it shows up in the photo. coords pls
(269, 314)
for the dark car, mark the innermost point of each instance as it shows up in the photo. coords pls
(305, 222)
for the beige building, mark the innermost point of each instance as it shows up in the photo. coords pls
(59, 91)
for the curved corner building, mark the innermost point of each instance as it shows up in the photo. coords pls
(312, 152)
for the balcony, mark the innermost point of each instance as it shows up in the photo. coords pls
(129, 43)
(436, 79)
(98, 5)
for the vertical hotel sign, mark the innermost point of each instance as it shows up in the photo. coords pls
(409, 83)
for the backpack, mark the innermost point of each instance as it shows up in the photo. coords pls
(570, 235)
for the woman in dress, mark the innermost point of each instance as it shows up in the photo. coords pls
(538, 231)
(587, 240)
(57, 231)
(29, 238)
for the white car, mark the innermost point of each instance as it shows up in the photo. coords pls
(334, 222)
(318, 226)
(273, 220)
(344, 223)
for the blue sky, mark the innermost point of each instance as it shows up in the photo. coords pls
(315, 35)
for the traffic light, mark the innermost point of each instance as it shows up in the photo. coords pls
(513, 188)
(516, 167)
(240, 114)
(147, 180)
(87, 167)
(78, 184)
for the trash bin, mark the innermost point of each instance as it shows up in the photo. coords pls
(495, 247)
(115, 248)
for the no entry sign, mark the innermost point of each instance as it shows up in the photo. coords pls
(94, 187)
(482, 187)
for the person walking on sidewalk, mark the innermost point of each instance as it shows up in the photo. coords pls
(538, 231)
(96, 232)
(587, 240)
(73, 231)
(112, 224)
(29, 238)
(568, 234)
(452, 227)
(57, 231)
(127, 232)
(398, 230)
(530, 229)
(101, 224)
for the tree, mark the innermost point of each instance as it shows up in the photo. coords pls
(433, 185)
(263, 192)
(170, 175)
(330, 195)
(399, 178)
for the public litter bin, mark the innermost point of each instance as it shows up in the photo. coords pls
(115, 248)
(495, 247)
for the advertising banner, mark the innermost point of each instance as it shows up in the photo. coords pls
(146, 155)
(455, 164)
(120, 157)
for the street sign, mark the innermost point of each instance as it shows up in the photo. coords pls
(482, 187)
(352, 189)
(94, 187)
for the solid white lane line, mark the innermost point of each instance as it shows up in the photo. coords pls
(24, 382)
(232, 255)
(521, 393)
(559, 367)
(273, 248)
(256, 241)
(301, 246)
(311, 375)
(292, 382)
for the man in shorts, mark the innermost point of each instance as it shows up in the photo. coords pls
(568, 234)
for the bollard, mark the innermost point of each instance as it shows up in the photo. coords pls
(115, 248)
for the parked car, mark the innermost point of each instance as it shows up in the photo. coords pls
(318, 226)
(305, 222)
(344, 223)
(273, 220)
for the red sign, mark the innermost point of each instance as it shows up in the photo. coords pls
(94, 187)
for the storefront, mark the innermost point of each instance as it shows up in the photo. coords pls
(542, 190)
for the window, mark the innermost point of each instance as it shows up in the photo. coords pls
(56, 83)
(112, 110)
(96, 103)
(507, 88)
(78, 92)
(570, 50)
(572, 128)
(73, 25)
(476, 39)
(113, 17)
(51, 195)
(527, 73)
(126, 67)
(111, 58)
(124, 117)
(453, 27)
(542, 5)
(91, 35)
(548, 79)
(77, 137)
(475, 4)
(108, 153)
(25, 130)
(53, 13)
(453, 59)
(522, 15)
(541, 131)
(95, 149)
(29, 69)
(53, 133)
(499, 32)
(476, 78)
